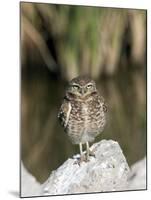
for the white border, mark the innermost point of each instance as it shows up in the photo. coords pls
(10, 99)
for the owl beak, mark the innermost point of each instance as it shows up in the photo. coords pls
(82, 91)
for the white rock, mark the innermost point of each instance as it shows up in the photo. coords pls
(108, 171)
(137, 176)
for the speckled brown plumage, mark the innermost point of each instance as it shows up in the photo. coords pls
(82, 113)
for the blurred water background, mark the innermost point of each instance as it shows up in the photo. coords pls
(59, 42)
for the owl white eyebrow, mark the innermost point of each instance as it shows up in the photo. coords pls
(89, 84)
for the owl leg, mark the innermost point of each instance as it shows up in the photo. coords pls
(82, 155)
(87, 151)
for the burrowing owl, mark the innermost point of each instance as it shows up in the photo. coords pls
(82, 113)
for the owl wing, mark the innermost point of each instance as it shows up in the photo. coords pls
(64, 112)
(105, 107)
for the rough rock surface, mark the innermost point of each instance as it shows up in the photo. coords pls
(108, 171)
(137, 176)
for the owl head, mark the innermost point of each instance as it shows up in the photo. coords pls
(81, 86)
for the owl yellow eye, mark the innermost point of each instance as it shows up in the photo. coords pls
(89, 86)
(75, 87)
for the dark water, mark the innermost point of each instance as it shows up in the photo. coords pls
(45, 146)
